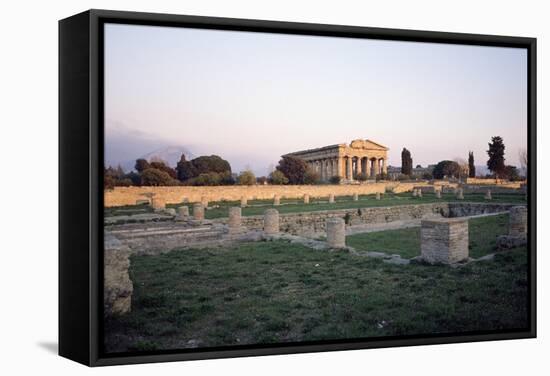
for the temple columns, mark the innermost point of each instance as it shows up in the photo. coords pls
(359, 166)
(349, 175)
(368, 167)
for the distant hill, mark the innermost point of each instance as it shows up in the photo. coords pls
(169, 154)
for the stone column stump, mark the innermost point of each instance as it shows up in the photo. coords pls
(378, 196)
(336, 233)
(444, 240)
(198, 211)
(276, 200)
(460, 194)
(414, 192)
(204, 202)
(438, 193)
(271, 221)
(488, 195)
(158, 203)
(517, 225)
(331, 199)
(234, 221)
(419, 192)
(306, 199)
(355, 197)
(244, 202)
(183, 213)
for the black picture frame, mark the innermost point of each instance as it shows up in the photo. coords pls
(81, 193)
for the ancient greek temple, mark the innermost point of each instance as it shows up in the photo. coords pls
(360, 157)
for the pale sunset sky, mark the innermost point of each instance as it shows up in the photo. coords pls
(251, 97)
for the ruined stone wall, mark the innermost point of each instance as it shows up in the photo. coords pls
(501, 183)
(463, 209)
(315, 222)
(171, 195)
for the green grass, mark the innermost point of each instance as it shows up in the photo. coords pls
(273, 292)
(219, 209)
(482, 233)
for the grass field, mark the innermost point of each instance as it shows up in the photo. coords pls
(272, 292)
(219, 209)
(482, 233)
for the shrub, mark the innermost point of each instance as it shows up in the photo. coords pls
(382, 176)
(427, 176)
(123, 182)
(210, 178)
(403, 177)
(335, 179)
(278, 178)
(246, 178)
(362, 177)
(261, 180)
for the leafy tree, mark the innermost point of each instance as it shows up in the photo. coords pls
(511, 173)
(160, 165)
(293, 168)
(186, 170)
(446, 169)
(212, 163)
(246, 178)
(406, 162)
(496, 156)
(155, 177)
(141, 165)
(278, 178)
(471, 165)
(427, 176)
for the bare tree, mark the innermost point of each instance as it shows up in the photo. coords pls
(523, 159)
(464, 168)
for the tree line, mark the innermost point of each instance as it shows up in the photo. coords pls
(208, 171)
(458, 169)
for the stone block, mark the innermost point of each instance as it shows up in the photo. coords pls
(444, 240)
(331, 199)
(518, 221)
(306, 199)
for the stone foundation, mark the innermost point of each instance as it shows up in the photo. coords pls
(444, 240)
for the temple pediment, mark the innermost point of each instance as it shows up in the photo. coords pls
(367, 144)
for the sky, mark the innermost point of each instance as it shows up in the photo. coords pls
(252, 97)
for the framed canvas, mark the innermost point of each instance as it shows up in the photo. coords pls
(234, 187)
